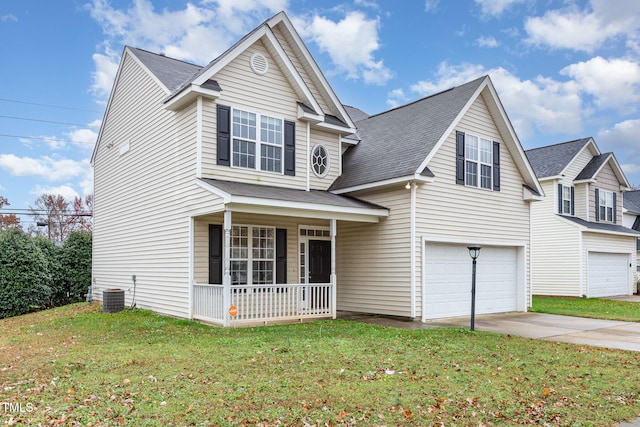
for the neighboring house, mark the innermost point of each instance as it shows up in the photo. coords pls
(631, 218)
(580, 246)
(247, 183)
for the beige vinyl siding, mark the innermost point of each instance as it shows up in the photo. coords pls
(332, 143)
(555, 246)
(581, 202)
(291, 224)
(457, 213)
(142, 198)
(598, 242)
(577, 165)
(286, 44)
(606, 180)
(373, 260)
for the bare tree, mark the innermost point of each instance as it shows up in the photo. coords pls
(8, 220)
(57, 217)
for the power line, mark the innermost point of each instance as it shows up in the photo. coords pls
(47, 139)
(42, 121)
(49, 105)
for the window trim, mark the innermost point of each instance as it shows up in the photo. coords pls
(564, 199)
(328, 162)
(258, 142)
(250, 258)
(607, 195)
(478, 162)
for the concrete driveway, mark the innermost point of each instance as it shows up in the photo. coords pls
(553, 327)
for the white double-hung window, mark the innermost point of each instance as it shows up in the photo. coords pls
(257, 141)
(605, 205)
(478, 162)
(252, 255)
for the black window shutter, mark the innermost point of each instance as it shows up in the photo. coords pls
(615, 209)
(598, 205)
(496, 166)
(560, 209)
(459, 157)
(573, 210)
(224, 135)
(289, 148)
(281, 255)
(215, 254)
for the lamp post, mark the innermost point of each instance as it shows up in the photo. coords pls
(474, 252)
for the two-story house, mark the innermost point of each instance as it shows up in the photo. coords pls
(579, 244)
(631, 219)
(247, 184)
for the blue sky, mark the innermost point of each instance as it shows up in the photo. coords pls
(563, 69)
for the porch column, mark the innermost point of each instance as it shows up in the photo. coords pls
(334, 290)
(226, 265)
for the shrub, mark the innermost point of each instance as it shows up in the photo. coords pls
(59, 287)
(25, 280)
(76, 263)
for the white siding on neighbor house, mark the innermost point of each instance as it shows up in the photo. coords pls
(142, 198)
(608, 243)
(555, 243)
(373, 260)
(606, 180)
(448, 212)
(269, 94)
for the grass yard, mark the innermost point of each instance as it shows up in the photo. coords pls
(588, 307)
(76, 366)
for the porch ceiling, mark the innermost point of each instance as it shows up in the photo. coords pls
(255, 198)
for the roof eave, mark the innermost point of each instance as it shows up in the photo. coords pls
(418, 178)
(188, 95)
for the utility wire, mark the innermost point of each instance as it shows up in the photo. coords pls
(42, 121)
(49, 105)
(47, 139)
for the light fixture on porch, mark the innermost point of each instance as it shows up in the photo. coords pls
(408, 186)
(474, 252)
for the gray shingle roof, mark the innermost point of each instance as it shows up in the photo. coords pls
(593, 166)
(356, 114)
(602, 226)
(552, 159)
(171, 72)
(395, 143)
(317, 197)
(631, 200)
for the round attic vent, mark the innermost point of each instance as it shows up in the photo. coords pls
(259, 64)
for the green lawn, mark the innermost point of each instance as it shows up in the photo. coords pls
(588, 307)
(77, 366)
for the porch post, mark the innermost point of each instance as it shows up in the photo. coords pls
(226, 263)
(334, 290)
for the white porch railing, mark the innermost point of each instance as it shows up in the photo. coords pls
(262, 303)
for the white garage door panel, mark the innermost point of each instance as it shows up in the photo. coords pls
(608, 274)
(448, 280)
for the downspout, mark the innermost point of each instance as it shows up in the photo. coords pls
(308, 154)
(191, 268)
(199, 138)
(413, 248)
(529, 289)
(334, 283)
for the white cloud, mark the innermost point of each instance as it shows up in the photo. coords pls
(106, 67)
(350, 43)
(495, 7)
(51, 169)
(431, 5)
(9, 17)
(586, 29)
(540, 104)
(83, 137)
(623, 135)
(396, 98)
(487, 42)
(53, 142)
(614, 83)
(65, 191)
(365, 3)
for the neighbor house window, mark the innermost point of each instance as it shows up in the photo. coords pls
(478, 162)
(605, 204)
(257, 141)
(252, 255)
(566, 199)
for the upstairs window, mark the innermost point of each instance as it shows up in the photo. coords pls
(606, 206)
(478, 162)
(256, 141)
(566, 199)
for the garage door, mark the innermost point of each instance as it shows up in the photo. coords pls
(608, 274)
(448, 280)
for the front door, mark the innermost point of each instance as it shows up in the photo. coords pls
(319, 271)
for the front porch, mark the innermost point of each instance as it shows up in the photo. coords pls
(268, 255)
